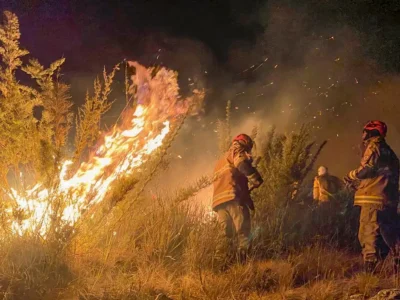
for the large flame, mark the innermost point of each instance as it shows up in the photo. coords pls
(123, 150)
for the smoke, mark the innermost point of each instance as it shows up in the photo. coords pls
(298, 71)
(306, 73)
(322, 63)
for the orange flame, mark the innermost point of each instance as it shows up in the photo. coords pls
(122, 151)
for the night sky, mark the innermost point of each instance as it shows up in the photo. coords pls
(92, 33)
(328, 62)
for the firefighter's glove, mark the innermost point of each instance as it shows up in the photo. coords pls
(348, 182)
(255, 180)
(249, 157)
(252, 187)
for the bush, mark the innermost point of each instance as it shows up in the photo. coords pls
(285, 163)
(133, 246)
(31, 269)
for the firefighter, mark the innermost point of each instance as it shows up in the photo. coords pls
(325, 186)
(376, 182)
(234, 178)
(324, 192)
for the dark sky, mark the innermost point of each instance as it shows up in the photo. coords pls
(92, 34)
(88, 32)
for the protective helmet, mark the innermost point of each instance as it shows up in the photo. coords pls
(376, 125)
(244, 140)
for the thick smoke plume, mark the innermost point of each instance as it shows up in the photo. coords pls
(298, 71)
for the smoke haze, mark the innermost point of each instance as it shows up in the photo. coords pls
(293, 74)
(322, 63)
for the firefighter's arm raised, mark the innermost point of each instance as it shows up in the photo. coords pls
(367, 168)
(243, 164)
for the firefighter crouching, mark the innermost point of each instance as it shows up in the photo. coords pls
(234, 178)
(377, 183)
(325, 186)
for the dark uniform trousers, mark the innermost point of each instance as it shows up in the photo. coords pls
(235, 220)
(378, 223)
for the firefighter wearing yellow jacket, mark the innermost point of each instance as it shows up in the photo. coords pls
(234, 178)
(376, 182)
(325, 186)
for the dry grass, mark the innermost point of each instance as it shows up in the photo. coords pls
(136, 247)
(165, 251)
(31, 269)
(162, 248)
(317, 262)
(366, 284)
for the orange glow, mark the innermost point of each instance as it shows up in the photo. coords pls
(123, 150)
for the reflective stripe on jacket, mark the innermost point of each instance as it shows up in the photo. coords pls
(224, 189)
(378, 175)
(231, 184)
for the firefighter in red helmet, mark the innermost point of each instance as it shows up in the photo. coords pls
(234, 178)
(376, 181)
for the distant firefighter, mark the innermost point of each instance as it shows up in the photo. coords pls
(234, 178)
(325, 186)
(377, 194)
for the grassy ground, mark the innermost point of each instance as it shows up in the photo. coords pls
(133, 247)
(165, 250)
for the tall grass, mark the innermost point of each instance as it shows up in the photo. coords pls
(134, 246)
(163, 248)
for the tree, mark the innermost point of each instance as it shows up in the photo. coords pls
(89, 116)
(56, 119)
(18, 127)
(30, 144)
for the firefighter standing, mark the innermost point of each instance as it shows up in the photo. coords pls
(234, 178)
(377, 181)
(325, 186)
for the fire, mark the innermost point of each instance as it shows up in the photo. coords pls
(123, 150)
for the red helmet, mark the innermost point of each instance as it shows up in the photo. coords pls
(376, 125)
(244, 140)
